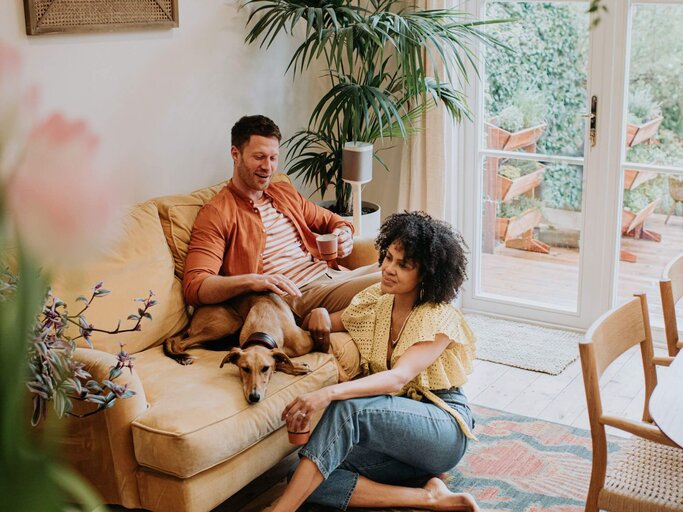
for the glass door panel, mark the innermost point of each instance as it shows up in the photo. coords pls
(652, 166)
(532, 158)
(535, 94)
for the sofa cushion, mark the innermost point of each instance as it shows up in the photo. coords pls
(138, 262)
(198, 416)
(177, 214)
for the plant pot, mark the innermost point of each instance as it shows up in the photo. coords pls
(370, 222)
(501, 139)
(515, 227)
(637, 133)
(507, 189)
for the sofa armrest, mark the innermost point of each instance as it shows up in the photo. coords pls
(100, 446)
(364, 253)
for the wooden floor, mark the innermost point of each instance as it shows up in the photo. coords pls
(553, 278)
(558, 398)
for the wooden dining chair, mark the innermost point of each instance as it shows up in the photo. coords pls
(646, 474)
(671, 290)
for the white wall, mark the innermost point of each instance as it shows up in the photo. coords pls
(163, 101)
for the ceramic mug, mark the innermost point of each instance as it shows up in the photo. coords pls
(299, 438)
(327, 245)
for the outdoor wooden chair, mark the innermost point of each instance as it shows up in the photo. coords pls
(671, 290)
(645, 474)
(633, 225)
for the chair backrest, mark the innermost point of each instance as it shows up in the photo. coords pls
(671, 290)
(609, 337)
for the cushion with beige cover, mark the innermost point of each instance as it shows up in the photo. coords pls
(198, 416)
(137, 262)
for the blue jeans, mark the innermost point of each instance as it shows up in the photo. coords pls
(387, 439)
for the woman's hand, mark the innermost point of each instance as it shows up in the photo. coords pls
(297, 414)
(319, 325)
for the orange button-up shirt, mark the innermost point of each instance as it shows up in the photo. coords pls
(228, 236)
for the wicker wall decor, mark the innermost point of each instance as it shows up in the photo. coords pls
(49, 16)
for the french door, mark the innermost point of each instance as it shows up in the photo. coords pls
(572, 162)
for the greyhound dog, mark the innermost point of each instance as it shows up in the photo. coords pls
(259, 353)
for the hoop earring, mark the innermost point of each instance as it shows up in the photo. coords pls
(422, 292)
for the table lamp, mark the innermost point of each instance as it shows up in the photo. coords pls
(357, 170)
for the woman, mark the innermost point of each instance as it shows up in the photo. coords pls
(407, 418)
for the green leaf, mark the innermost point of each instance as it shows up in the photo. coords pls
(75, 487)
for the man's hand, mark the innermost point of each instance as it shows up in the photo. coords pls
(276, 283)
(319, 324)
(345, 241)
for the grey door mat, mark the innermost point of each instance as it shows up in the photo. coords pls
(523, 345)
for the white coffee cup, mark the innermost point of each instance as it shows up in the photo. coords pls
(327, 245)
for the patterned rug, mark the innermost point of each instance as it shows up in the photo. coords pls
(527, 346)
(522, 464)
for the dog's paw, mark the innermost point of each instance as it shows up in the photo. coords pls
(185, 361)
(305, 368)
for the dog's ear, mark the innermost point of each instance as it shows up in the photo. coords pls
(280, 357)
(285, 365)
(232, 356)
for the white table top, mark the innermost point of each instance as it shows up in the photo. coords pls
(666, 403)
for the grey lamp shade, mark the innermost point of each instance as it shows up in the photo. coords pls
(357, 162)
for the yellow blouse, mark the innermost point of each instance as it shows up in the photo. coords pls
(368, 321)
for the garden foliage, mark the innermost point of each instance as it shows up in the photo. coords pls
(550, 61)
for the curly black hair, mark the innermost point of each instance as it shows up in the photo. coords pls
(253, 125)
(439, 252)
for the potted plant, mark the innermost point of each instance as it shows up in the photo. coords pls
(517, 177)
(515, 223)
(376, 55)
(644, 116)
(518, 125)
(643, 154)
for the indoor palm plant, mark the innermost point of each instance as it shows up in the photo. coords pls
(377, 56)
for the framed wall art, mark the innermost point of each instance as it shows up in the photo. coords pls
(72, 16)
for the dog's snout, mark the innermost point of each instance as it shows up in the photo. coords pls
(254, 397)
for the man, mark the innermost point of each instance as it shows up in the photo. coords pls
(258, 236)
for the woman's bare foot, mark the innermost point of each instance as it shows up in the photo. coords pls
(441, 498)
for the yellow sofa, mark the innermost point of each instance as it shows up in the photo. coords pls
(187, 440)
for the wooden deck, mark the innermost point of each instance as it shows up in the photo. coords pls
(553, 278)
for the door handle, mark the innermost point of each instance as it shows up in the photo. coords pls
(593, 120)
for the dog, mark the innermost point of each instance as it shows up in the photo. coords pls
(259, 353)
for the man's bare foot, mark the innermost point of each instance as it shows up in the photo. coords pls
(443, 499)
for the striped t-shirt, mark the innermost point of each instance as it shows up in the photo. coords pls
(284, 253)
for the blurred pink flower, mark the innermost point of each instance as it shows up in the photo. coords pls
(62, 209)
(17, 109)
